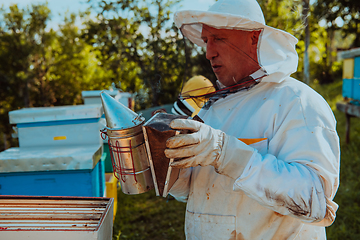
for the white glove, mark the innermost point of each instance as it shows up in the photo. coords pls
(202, 147)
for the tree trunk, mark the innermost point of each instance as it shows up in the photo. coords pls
(306, 7)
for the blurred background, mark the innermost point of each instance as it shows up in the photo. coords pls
(51, 51)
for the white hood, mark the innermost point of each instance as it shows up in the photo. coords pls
(276, 48)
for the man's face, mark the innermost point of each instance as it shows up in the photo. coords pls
(232, 53)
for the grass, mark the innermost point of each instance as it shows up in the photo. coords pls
(146, 216)
(346, 225)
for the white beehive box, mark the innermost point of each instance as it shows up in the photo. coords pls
(93, 97)
(58, 126)
(55, 218)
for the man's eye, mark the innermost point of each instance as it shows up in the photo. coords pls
(219, 39)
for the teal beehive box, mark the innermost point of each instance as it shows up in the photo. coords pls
(347, 88)
(351, 74)
(58, 126)
(60, 153)
(64, 171)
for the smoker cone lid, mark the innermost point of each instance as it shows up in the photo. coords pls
(117, 115)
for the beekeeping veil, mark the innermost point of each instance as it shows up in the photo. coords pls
(276, 48)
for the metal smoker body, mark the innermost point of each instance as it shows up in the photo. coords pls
(127, 146)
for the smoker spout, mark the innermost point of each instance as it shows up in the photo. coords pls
(117, 115)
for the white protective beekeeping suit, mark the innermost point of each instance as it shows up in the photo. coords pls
(279, 180)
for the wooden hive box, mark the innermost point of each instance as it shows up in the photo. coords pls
(56, 218)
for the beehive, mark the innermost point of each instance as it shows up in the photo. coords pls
(59, 153)
(55, 218)
(351, 74)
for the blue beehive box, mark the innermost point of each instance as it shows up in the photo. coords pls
(58, 126)
(356, 89)
(347, 88)
(45, 172)
(351, 74)
(60, 153)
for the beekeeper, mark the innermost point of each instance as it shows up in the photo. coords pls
(265, 164)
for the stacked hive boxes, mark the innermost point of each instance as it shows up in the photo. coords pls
(351, 74)
(59, 153)
(55, 218)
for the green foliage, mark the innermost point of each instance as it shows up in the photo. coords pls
(324, 39)
(345, 12)
(346, 225)
(340, 30)
(22, 34)
(127, 43)
(40, 67)
(74, 66)
(139, 46)
(347, 220)
(285, 15)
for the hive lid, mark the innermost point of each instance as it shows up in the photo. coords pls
(58, 113)
(22, 160)
(96, 93)
(117, 115)
(352, 53)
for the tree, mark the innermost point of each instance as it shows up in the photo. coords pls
(305, 15)
(340, 15)
(316, 46)
(21, 38)
(74, 66)
(341, 21)
(139, 46)
(22, 32)
(288, 16)
(40, 67)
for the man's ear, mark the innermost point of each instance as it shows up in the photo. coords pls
(255, 37)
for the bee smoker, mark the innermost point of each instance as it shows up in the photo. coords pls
(127, 146)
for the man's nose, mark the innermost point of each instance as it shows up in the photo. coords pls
(211, 51)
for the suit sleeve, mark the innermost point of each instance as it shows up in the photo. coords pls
(298, 176)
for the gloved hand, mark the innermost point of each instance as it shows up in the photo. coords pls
(201, 147)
